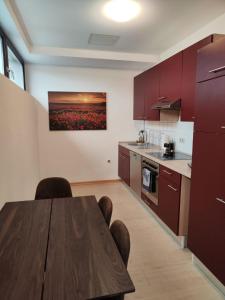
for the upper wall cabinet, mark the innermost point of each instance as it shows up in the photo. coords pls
(146, 93)
(152, 94)
(139, 97)
(188, 86)
(209, 68)
(175, 78)
(170, 78)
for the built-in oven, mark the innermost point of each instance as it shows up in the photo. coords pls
(150, 175)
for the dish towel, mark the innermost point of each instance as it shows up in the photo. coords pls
(149, 180)
(146, 178)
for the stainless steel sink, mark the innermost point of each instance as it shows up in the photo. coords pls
(140, 145)
(135, 144)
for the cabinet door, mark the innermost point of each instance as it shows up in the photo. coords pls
(139, 97)
(211, 61)
(169, 203)
(127, 170)
(170, 77)
(124, 168)
(152, 94)
(188, 86)
(120, 165)
(210, 106)
(206, 233)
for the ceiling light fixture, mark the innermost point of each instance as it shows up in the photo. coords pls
(121, 10)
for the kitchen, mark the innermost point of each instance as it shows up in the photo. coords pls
(160, 158)
(168, 181)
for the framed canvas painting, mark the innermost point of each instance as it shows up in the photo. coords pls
(77, 110)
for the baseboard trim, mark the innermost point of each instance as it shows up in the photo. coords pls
(95, 182)
(208, 274)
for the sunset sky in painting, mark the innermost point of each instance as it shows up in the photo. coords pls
(76, 97)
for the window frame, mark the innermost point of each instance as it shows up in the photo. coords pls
(6, 42)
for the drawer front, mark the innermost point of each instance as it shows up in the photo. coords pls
(170, 175)
(124, 150)
(211, 61)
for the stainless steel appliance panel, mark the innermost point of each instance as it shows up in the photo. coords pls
(135, 172)
(154, 168)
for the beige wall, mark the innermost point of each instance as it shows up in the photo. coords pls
(83, 155)
(19, 171)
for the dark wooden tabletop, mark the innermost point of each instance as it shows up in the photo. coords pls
(24, 228)
(58, 249)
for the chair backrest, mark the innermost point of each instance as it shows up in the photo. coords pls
(121, 237)
(53, 187)
(106, 206)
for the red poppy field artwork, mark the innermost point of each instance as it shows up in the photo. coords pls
(77, 111)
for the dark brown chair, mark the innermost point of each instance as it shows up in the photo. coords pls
(53, 187)
(106, 206)
(121, 237)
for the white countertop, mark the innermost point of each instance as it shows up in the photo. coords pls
(179, 166)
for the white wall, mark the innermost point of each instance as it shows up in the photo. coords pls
(181, 133)
(19, 171)
(83, 155)
(216, 26)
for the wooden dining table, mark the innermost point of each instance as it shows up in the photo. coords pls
(59, 249)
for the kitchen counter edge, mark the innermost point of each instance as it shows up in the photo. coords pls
(179, 166)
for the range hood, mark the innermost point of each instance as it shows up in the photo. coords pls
(164, 104)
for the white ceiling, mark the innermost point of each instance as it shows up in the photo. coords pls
(54, 28)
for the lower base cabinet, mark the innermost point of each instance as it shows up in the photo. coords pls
(173, 192)
(169, 198)
(124, 164)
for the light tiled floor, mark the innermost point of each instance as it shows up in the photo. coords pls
(159, 268)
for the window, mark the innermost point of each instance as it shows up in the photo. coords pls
(11, 63)
(15, 68)
(1, 56)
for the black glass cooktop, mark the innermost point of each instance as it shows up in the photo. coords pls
(176, 156)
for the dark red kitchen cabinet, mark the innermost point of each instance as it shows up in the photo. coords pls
(188, 86)
(169, 202)
(211, 60)
(124, 164)
(139, 97)
(152, 94)
(210, 106)
(206, 233)
(170, 77)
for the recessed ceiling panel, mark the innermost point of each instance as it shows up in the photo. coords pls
(102, 39)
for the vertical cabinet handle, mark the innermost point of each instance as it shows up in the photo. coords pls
(172, 188)
(220, 200)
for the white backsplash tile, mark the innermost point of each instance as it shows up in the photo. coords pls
(181, 133)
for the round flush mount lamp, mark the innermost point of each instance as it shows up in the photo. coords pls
(121, 10)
